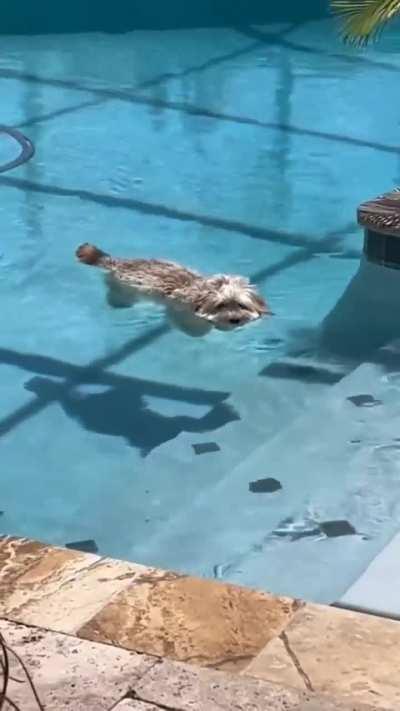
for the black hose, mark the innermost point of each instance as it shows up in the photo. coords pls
(27, 148)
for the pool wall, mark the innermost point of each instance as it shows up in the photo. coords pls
(125, 15)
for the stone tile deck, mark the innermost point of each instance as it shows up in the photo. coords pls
(70, 673)
(84, 676)
(333, 651)
(191, 620)
(102, 634)
(138, 608)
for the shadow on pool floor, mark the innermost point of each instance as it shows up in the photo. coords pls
(120, 411)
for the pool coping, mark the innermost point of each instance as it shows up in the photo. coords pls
(209, 625)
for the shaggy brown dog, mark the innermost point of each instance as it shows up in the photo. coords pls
(194, 303)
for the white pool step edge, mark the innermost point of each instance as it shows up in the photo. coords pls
(377, 590)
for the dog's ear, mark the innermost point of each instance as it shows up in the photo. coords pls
(204, 303)
(243, 281)
(240, 282)
(216, 282)
(261, 305)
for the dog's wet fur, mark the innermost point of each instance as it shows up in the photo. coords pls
(194, 303)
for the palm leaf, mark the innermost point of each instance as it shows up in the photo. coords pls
(363, 19)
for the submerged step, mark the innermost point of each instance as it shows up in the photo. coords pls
(176, 478)
(377, 590)
(336, 463)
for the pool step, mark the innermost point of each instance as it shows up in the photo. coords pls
(174, 476)
(356, 482)
(338, 461)
(377, 590)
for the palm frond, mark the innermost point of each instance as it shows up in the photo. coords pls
(362, 20)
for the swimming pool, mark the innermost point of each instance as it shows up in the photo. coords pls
(243, 151)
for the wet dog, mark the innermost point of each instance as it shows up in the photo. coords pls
(194, 303)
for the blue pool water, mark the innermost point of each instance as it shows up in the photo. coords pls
(243, 151)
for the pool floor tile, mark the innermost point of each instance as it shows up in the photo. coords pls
(191, 620)
(327, 650)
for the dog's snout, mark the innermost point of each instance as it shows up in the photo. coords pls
(235, 321)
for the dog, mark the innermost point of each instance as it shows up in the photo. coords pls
(194, 303)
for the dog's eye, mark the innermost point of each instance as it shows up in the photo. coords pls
(221, 306)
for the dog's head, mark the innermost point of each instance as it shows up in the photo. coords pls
(229, 302)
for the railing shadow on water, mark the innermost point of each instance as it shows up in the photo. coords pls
(118, 406)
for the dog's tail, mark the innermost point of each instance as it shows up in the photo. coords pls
(89, 254)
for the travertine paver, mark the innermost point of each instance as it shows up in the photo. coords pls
(305, 649)
(191, 620)
(139, 608)
(180, 687)
(84, 676)
(57, 588)
(336, 652)
(70, 674)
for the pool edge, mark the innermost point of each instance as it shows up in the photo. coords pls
(209, 624)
